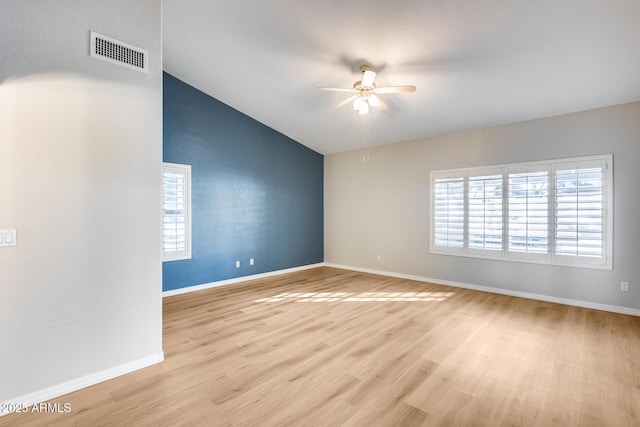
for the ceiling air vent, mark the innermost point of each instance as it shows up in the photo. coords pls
(117, 52)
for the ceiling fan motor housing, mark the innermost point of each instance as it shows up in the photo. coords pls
(359, 87)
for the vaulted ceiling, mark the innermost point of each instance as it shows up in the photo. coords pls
(475, 63)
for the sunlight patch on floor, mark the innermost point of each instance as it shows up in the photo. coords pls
(358, 297)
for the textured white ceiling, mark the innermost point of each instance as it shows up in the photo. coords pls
(476, 63)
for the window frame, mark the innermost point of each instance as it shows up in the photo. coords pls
(185, 171)
(604, 262)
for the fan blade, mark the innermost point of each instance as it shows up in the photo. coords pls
(348, 100)
(335, 89)
(394, 89)
(367, 78)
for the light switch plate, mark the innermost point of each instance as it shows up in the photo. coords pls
(8, 238)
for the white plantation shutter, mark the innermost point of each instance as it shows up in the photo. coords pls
(448, 223)
(485, 212)
(528, 212)
(580, 210)
(176, 212)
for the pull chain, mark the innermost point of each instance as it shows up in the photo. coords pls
(367, 138)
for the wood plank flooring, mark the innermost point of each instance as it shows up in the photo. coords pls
(334, 347)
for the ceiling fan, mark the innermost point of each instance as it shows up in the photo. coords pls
(365, 92)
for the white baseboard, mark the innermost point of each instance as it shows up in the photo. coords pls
(527, 295)
(53, 392)
(237, 280)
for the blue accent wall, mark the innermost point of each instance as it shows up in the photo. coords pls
(255, 192)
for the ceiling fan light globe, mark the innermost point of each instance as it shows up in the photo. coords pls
(364, 108)
(374, 101)
(357, 104)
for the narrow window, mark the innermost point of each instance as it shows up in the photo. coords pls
(176, 211)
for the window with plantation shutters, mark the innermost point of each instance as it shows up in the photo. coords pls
(555, 212)
(449, 212)
(485, 212)
(579, 209)
(176, 211)
(528, 230)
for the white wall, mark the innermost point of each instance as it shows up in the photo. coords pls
(80, 156)
(382, 206)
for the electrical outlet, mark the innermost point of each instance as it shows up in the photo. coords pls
(237, 264)
(379, 257)
(624, 286)
(8, 238)
(251, 261)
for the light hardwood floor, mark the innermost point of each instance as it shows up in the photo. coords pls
(334, 347)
